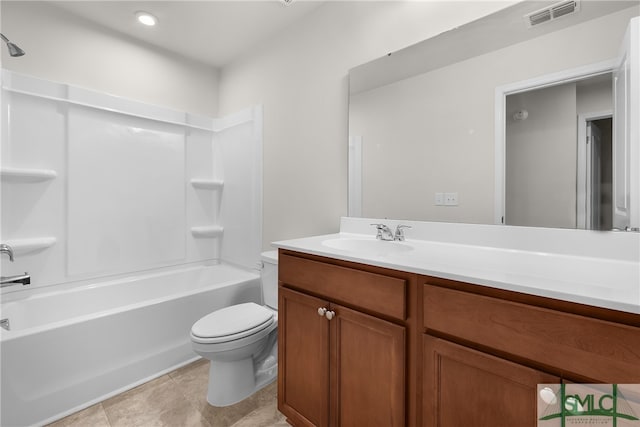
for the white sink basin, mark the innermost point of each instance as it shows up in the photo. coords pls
(367, 246)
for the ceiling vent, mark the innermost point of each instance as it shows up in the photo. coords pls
(552, 12)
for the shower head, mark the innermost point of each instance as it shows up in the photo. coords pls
(14, 50)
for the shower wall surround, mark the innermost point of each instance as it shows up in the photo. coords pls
(95, 185)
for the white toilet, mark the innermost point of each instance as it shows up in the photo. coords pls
(241, 341)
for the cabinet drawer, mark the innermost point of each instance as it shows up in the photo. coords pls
(581, 346)
(361, 289)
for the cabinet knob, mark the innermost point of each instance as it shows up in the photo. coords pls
(322, 311)
(330, 314)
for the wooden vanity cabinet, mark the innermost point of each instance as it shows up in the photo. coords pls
(403, 349)
(485, 351)
(342, 354)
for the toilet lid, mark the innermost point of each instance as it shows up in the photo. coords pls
(234, 322)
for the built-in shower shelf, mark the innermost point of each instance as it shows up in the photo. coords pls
(27, 175)
(25, 246)
(207, 231)
(207, 184)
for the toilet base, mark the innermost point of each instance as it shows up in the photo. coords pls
(240, 368)
(232, 382)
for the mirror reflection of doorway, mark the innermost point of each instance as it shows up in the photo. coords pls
(558, 155)
(598, 177)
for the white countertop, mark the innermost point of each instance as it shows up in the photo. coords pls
(586, 277)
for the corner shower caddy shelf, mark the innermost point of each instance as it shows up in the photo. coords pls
(207, 231)
(27, 175)
(207, 184)
(24, 246)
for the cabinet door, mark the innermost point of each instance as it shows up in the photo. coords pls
(367, 370)
(303, 359)
(467, 388)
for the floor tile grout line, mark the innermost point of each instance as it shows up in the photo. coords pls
(187, 398)
(106, 415)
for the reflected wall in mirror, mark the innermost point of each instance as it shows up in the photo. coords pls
(422, 121)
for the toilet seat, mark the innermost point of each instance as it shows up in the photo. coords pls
(232, 323)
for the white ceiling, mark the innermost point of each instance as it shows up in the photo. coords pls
(214, 32)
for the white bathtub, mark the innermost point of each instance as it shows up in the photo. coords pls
(69, 349)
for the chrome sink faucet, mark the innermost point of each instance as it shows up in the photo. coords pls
(399, 236)
(385, 233)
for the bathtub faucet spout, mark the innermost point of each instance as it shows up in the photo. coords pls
(25, 279)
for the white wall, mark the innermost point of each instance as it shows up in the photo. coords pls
(300, 78)
(595, 97)
(299, 75)
(541, 158)
(64, 48)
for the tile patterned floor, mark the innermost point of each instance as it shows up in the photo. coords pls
(178, 399)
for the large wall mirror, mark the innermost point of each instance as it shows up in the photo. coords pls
(494, 122)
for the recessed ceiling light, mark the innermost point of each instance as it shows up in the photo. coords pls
(145, 18)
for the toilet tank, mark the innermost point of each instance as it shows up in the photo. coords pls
(270, 278)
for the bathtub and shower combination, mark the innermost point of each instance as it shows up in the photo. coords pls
(116, 282)
(68, 349)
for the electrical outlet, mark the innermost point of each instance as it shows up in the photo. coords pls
(439, 199)
(451, 199)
